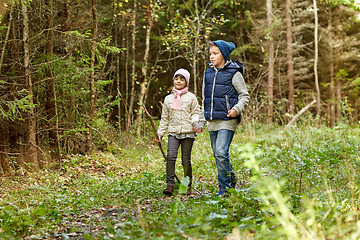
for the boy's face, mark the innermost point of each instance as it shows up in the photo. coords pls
(216, 57)
(179, 82)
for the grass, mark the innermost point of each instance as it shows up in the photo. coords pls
(294, 184)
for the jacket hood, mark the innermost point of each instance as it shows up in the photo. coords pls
(232, 64)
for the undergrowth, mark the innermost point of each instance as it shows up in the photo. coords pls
(293, 184)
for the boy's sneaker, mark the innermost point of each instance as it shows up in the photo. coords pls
(221, 192)
(234, 180)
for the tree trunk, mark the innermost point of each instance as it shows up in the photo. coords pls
(196, 48)
(271, 62)
(133, 74)
(70, 112)
(31, 150)
(143, 83)
(92, 76)
(338, 90)
(4, 156)
(290, 60)
(316, 50)
(6, 38)
(117, 62)
(125, 77)
(50, 88)
(332, 99)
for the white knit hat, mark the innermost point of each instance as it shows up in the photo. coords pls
(183, 72)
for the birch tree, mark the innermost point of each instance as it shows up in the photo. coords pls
(271, 61)
(133, 72)
(289, 58)
(316, 53)
(144, 68)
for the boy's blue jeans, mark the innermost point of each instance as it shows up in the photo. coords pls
(220, 143)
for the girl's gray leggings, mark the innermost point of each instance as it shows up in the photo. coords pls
(172, 152)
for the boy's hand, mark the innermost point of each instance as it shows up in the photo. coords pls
(232, 113)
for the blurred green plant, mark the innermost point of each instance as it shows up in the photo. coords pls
(294, 184)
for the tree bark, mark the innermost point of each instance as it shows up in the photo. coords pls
(316, 50)
(143, 83)
(289, 58)
(338, 89)
(133, 73)
(92, 76)
(332, 98)
(6, 38)
(31, 159)
(117, 62)
(271, 62)
(50, 88)
(196, 48)
(4, 156)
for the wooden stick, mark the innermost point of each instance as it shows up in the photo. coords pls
(157, 137)
(299, 114)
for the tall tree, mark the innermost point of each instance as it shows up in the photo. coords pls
(331, 100)
(289, 58)
(197, 43)
(32, 157)
(6, 38)
(270, 60)
(92, 74)
(116, 31)
(144, 68)
(4, 156)
(50, 86)
(316, 52)
(133, 72)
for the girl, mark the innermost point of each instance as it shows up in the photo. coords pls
(180, 118)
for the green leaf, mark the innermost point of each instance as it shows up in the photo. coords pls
(184, 185)
(40, 212)
(87, 236)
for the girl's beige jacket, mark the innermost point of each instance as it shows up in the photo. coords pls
(179, 121)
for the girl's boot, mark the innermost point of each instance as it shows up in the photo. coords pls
(168, 191)
(189, 192)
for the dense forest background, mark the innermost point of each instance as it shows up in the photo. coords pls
(75, 74)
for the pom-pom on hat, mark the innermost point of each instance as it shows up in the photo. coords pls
(183, 72)
(225, 47)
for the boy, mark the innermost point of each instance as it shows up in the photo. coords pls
(224, 97)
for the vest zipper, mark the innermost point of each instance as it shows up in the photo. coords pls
(212, 95)
(227, 102)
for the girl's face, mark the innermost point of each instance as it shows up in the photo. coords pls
(179, 82)
(216, 57)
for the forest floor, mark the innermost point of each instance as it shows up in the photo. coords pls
(294, 184)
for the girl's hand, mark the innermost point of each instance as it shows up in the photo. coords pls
(232, 113)
(158, 139)
(197, 130)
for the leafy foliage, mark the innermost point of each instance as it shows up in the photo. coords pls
(292, 185)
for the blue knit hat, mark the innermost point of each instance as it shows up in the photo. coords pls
(225, 47)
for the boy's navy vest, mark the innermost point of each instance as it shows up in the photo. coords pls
(219, 93)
